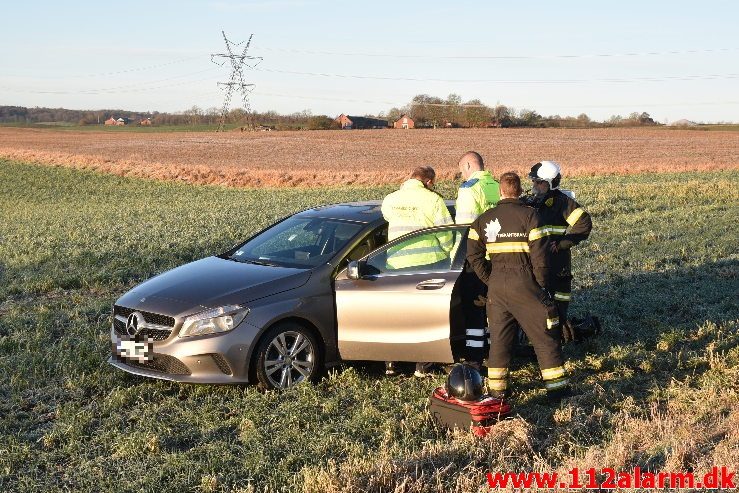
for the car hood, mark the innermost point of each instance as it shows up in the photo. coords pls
(211, 282)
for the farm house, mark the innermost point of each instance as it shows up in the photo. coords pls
(404, 121)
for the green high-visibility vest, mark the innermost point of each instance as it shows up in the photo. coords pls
(411, 208)
(478, 194)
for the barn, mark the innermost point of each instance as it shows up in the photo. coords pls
(360, 122)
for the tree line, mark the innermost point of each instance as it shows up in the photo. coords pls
(432, 111)
(303, 120)
(426, 111)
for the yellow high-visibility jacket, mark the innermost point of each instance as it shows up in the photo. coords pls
(478, 194)
(411, 208)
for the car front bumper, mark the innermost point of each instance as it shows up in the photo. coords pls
(213, 359)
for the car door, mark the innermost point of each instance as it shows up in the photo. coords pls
(401, 313)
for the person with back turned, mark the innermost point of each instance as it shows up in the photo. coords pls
(514, 237)
(416, 206)
(478, 193)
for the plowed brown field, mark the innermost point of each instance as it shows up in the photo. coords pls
(367, 156)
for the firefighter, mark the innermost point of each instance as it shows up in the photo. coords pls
(567, 225)
(479, 192)
(516, 275)
(416, 206)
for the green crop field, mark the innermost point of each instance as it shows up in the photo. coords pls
(660, 389)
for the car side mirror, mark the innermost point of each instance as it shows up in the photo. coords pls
(355, 269)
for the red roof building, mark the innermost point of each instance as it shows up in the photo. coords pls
(404, 121)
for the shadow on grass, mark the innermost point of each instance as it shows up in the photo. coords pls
(652, 319)
(663, 330)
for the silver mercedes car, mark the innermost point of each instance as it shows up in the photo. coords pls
(306, 293)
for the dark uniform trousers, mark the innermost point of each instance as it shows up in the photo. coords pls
(515, 299)
(567, 224)
(516, 240)
(475, 319)
(561, 288)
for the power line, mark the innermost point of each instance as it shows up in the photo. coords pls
(499, 57)
(504, 81)
(108, 74)
(105, 90)
(141, 69)
(395, 55)
(142, 84)
(390, 103)
(351, 100)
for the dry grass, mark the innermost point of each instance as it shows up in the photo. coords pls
(367, 157)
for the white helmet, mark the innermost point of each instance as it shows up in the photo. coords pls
(548, 171)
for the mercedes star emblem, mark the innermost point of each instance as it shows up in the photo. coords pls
(132, 324)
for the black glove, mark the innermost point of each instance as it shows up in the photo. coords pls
(546, 297)
(565, 244)
(552, 312)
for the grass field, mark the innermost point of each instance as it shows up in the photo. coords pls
(660, 389)
(367, 157)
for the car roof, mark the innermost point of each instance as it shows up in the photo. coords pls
(363, 212)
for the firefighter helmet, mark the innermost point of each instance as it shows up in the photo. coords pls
(464, 382)
(547, 171)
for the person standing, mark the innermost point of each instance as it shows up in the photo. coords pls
(479, 192)
(567, 225)
(515, 238)
(416, 206)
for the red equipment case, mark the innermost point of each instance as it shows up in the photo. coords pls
(479, 415)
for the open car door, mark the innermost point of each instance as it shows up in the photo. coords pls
(398, 309)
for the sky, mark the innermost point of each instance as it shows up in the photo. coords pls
(672, 59)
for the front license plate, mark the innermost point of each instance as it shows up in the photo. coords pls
(135, 350)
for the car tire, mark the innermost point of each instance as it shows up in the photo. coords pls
(288, 355)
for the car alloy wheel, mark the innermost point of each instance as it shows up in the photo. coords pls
(287, 357)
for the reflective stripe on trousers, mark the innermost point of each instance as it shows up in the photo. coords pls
(476, 337)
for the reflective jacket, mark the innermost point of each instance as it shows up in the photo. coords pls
(478, 194)
(411, 208)
(567, 224)
(512, 235)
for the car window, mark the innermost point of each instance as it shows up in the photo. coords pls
(461, 251)
(423, 252)
(298, 242)
(375, 239)
(300, 236)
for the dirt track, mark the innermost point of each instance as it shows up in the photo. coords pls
(367, 156)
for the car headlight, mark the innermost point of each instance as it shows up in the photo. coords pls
(221, 319)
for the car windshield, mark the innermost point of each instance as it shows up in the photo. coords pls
(301, 242)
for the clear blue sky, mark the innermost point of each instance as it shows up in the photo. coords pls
(673, 59)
